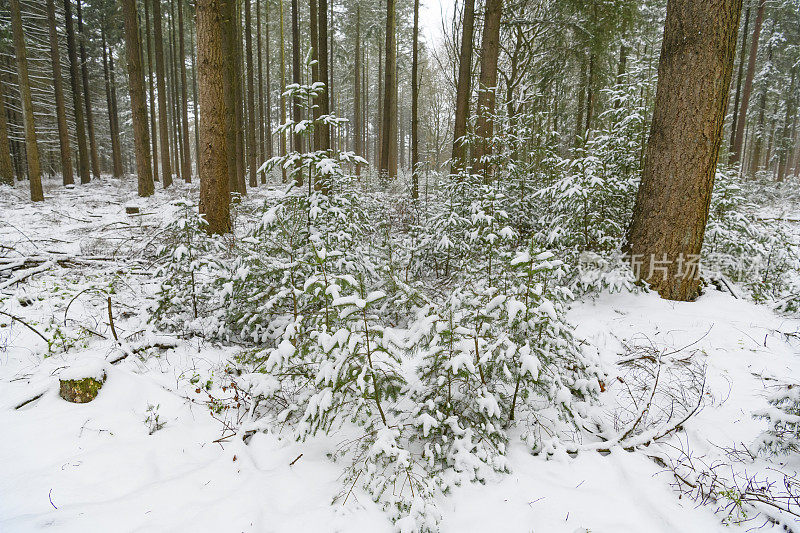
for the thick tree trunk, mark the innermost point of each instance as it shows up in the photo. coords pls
(87, 94)
(75, 85)
(186, 168)
(671, 210)
(194, 93)
(463, 89)
(141, 139)
(251, 96)
(240, 99)
(214, 140)
(229, 37)
(748, 84)
(116, 156)
(151, 85)
(388, 166)
(163, 120)
(61, 113)
(31, 146)
(739, 76)
(490, 52)
(6, 165)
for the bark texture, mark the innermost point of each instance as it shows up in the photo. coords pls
(31, 147)
(6, 165)
(463, 89)
(490, 52)
(213, 157)
(388, 166)
(61, 113)
(141, 137)
(671, 210)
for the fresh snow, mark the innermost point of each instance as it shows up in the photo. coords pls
(95, 467)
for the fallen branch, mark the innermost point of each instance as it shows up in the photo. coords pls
(18, 319)
(25, 274)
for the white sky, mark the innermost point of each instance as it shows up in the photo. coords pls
(431, 13)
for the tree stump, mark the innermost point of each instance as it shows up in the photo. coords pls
(80, 390)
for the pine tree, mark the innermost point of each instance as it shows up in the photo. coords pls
(61, 113)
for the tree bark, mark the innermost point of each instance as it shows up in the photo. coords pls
(151, 85)
(77, 106)
(163, 120)
(357, 124)
(268, 90)
(313, 13)
(490, 52)
(214, 141)
(283, 90)
(739, 76)
(251, 100)
(388, 167)
(6, 165)
(415, 104)
(748, 84)
(141, 139)
(87, 94)
(324, 99)
(671, 210)
(297, 143)
(463, 90)
(116, 156)
(186, 169)
(31, 146)
(61, 113)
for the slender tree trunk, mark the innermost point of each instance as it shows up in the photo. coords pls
(490, 52)
(187, 156)
(175, 102)
(268, 89)
(194, 94)
(87, 95)
(358, 125)
(758, 133)
(116, 156)
(260, 85)
(313, 13)
(241, 168)
(748, 84)
(739, 76)
(75, 84)
(415, 104)
(324, 99)
(61, 113)
(151, 85)
(379, 106)
(251, 100)
(6, 165)
(388, 167)
(31, 146)
(283, 90)
(229, 37)
(297, 143)
(787, 131)
(671, 211)
(163, 120)
(463, 89)
(214, 140)
(590, 94)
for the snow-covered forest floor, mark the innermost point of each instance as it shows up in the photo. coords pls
(150, 453)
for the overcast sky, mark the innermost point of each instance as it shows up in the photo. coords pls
(431, 13)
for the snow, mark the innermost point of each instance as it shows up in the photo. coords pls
(95, 467)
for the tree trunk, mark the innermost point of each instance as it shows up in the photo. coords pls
(194, 94)
(748, 84)
(388, 167)
(358, 125)
(141, 139)
(671, 210)
(87, 95)
(297, 142)
(268, 89)
(151, 85)
(6, 165)
(31, 147)
(251, 100)
(214, 140)
(324, 99)
(313, 13)
(75, 85)
(240, 98)
(163, 120)
(490, 52)
(463, 91)
(187, 156)
(758, 133)
(229, 53)
(739, 76)
(283, 90)
(116, 156)
(61, 113)
(260, 86)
